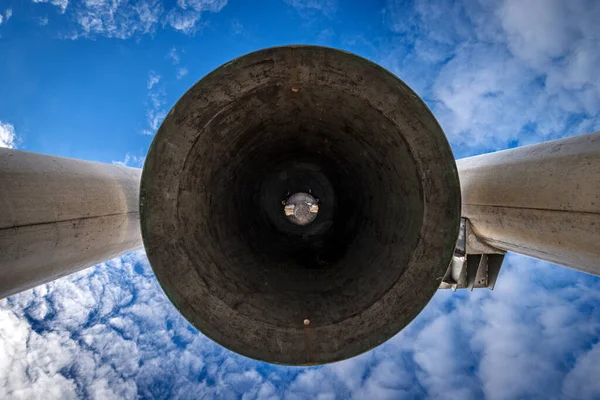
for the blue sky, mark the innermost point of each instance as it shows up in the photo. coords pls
(93, 79)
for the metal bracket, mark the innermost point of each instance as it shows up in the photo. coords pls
(475, 264)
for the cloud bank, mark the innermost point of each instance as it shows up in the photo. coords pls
(500, 74)
(110, 332)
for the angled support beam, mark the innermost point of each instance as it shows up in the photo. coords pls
(541, 200)
(60, 215)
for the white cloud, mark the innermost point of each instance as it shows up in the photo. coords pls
(509, 343)
(560, 41)
(61, 4)
(8, 137)
(577, 384)
(156, 111)
(27, 372)
(153, 79)
(41, 362)
(116, 19)
(155, 118)
(131, 161)
(181, 72)
(444, 376)
(7, 14)
(184, 21)
(110, 332)
(173, 56)
(123, 19)
(43, 21)
(501, 73)
(484, 98)
(186, 16)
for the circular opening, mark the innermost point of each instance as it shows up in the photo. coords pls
(278, 142)
(301, 208)
(290, 126)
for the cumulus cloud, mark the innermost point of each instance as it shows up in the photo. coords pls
(22, 376)
(577, 384)
(124, 19)
(503, 73)
(110, 332)
(8, 137)
(514, 342)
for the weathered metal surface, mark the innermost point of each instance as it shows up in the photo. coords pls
(60, 215)
(474, 244)
(541, 200)
(474, 264)
(286, 120)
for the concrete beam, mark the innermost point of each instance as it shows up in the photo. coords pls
(60, 215)
(541, 200)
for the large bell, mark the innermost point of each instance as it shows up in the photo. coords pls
(300, 205)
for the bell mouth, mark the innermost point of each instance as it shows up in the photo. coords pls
(248, 269)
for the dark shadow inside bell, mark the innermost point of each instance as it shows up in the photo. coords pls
(275, 142)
